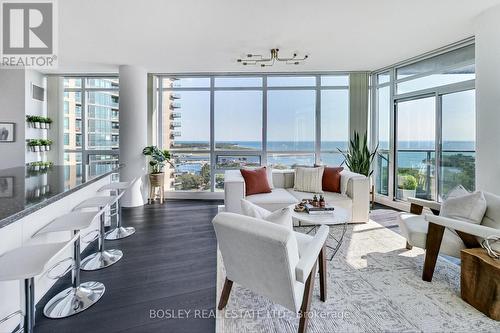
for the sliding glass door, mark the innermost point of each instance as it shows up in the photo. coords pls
(416, 148)
(435, 144)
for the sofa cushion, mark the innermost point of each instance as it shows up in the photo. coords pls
(277, 199)
(281, 216)
(331, 198)
(468, 208)
(414, 229)
(309, 179)
(331, 179)
(269, 172)
(256, 181)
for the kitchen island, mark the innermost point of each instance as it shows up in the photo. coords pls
(31, 199)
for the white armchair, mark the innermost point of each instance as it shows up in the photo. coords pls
(445, 235)
(271, 260)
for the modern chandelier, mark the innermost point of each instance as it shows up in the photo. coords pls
(257, 59)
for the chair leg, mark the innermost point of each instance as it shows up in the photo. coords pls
(408, 246)
(322, 274)
(306, 301)
(224, 297)
(432, 246)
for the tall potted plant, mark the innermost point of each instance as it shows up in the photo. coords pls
(158, 158)
(358, 157)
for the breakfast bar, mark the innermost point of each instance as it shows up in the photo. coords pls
(29, 201)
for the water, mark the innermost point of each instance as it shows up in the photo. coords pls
(194, 163)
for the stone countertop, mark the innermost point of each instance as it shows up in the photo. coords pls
(23, 191)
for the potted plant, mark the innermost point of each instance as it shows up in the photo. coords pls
(358, 157)
(48, 122)
(47, 144)
(37, 121)
(157, 160)
(408, 187)
(34, 145)
(35, 166)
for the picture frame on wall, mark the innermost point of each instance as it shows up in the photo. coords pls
(6, 187)
(7, 132)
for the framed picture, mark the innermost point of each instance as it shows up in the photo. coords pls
(6, 187)
(7, 132)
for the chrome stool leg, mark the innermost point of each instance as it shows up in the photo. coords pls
(77, 298)
(119, 232)
(102, 258)
(29, 305)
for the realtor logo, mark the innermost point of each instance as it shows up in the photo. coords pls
(28, 33)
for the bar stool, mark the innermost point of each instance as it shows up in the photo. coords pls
(80, 296)
(102, 258)
(117, 188)
(24, 263)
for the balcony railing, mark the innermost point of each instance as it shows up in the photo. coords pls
(175, 115)
(175, 124)
(174, 96)
(457, 167)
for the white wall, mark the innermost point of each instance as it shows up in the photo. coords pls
(12, 103)
(487, 33)
(35, 107)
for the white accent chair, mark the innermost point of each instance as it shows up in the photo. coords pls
(271, 260)
(444, 235)
(354, 196)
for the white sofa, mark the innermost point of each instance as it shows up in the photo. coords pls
(354, 196)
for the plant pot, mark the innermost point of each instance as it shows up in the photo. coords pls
(36, 148)
(43, 125)
(36, 167)
(405, 194)
(157, 179)
(47, 125)
(47, 148)
(36, 124)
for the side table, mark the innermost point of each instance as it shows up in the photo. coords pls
(480, 281)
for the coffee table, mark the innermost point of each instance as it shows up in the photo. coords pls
(339, 217)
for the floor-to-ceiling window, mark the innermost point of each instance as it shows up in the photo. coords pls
(91, 125)
(425, 125)
(212, 123)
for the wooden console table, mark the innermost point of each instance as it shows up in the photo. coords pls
(480, 281)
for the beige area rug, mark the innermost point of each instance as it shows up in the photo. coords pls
(374, 285)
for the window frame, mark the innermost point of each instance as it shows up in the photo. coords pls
(83, 89)
(264, 89)
(394, 98)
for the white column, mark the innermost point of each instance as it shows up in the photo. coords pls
(488, 100)
(133, 131)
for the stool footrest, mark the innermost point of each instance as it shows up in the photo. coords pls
(57, 265)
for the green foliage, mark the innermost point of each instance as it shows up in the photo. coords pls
(158, 158)
(34, 143)
(409, 182)
(358, 157)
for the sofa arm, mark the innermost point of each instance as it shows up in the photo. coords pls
(234, 191)
(357, 187)
(432, 205)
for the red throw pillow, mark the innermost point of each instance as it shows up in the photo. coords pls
(256, 181)
(331, 179)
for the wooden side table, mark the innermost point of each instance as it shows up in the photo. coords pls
(480, 281)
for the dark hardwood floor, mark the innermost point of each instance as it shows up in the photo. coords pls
(169, 264)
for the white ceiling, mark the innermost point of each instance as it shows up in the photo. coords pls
(209, 35)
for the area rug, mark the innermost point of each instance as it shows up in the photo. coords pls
(374, 285)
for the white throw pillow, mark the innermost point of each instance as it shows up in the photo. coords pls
(468, 208)
(281, 216)
(457, 191)
(269, 173)
(309, 179)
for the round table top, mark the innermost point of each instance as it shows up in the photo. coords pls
(339, 216)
